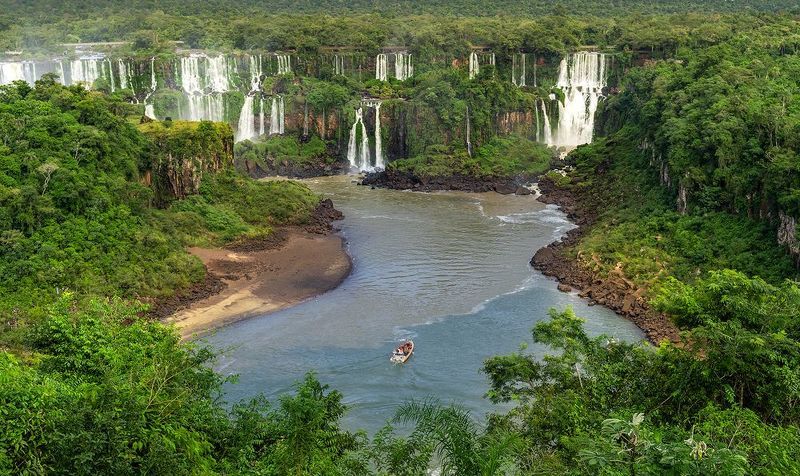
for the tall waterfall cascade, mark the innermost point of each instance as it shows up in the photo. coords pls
(204, 79)
(518, 67)
(246, 130)
(582, 77)
(474, 66)
(381, 67)
(277, 116)
(379, 162)
(403, 66)
(284, 63)
(149, 108)
(359, 154)
(547, 130)
(338, 65)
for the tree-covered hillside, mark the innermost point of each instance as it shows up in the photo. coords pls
(88, 200)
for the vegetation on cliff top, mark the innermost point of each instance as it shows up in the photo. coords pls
(501, 157)
(77, 214)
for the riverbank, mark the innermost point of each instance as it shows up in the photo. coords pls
(260, 277)
(402, 180)
(613, 291)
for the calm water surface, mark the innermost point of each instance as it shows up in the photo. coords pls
(449, 270)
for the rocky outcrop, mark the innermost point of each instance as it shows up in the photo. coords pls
(613, 291)
(271, 167)
(408, 181)
(182, 152)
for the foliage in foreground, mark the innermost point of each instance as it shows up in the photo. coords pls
(105, 392)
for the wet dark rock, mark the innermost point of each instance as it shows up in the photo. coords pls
(398, 180)
(613, 292)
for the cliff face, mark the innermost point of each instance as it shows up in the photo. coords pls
(183, 152)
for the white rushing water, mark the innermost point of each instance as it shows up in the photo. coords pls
(354, 153)
(284, 63)
(277, 116)
(379, 162)
(518, 67)
(338, 65)
(204, 80)
(474, 67)
(246, 128)
(547, 130)
(381, 67)
(582, 77)
(403, 66)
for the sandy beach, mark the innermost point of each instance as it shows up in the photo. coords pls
(263, 281)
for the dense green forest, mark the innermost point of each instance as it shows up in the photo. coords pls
(693, 177)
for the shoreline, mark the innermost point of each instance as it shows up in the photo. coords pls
(613, 292)
(261, 277)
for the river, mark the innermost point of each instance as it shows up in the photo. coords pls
(449, 270)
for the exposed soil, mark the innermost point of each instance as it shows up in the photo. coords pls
(257, 277)
(614, 291)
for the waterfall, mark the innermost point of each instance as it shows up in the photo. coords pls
(338, 65)
(582, 77)
(125, 77)
(381, 67)
(379, 163)
(352, 146)
(255, 71)
(18, 71)
(282, 113)
(217, 74)
(474, 67)
(84, 71)
(203, 86)
(364, 147)
(518, 69)
(277, 116)
(403, 66)
(547, 135)
(284, 64)
(469, 140)
(110, 74)
(261, 120)
(246, 129)
(149, 109)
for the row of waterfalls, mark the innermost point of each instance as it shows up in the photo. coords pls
(403, 66)
(203, 81)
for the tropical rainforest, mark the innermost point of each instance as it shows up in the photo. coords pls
(692, 182)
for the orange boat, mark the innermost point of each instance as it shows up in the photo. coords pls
(403, 352)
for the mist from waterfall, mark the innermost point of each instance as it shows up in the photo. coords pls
(581, 77)
(381, 67)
